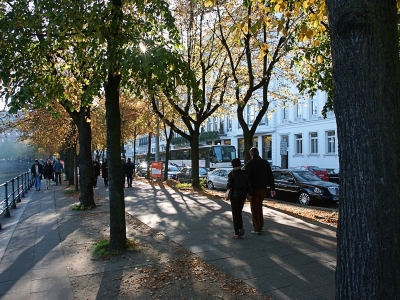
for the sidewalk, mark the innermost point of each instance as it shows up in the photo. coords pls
(292, 259)
(32, 263)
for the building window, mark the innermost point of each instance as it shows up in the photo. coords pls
(314, 143)
(208, 125)
(299, 143)
(286, 113)
(251, 113)
(331, 142)
(298, 110)
(229, 123)
(215, 127)
(267, 147)
(313, 106)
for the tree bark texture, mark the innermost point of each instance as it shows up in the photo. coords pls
(116, 190)
(194, 145)
(86, 171)
(367, 106)
(70, 165)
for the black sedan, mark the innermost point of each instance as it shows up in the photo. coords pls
(304, 187)
(334, 175)
(185, 174)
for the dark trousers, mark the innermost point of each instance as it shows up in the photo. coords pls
(58, 177)
(257, 208)
(95, 180)
(129, 179)
(237, 208)
(105, 181)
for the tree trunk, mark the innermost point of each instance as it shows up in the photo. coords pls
(247, 135)
(194, 145)
(367, 105)
(116, 190)
(86, 171)
(70, 165)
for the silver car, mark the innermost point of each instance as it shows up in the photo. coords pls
(218, 178)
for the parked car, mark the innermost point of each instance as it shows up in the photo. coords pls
(141, 169)
(218, 178)
(303, 186)
(172, 170)
(275, 167)
(333, 175)
(185, 174)
(323, 174)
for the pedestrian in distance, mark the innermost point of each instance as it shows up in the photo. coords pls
(37, 172)
(123, 164)
(129, 167)
(58, 168)
(239, 181)
(260, 177)
(48, 172)
(104, 171)
(96, 168)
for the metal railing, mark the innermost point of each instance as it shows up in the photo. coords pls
(14, 190)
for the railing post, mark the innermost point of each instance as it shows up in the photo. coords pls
(18, 189)
(25, 183)
(22, 185)
(13, 204)
(7, 212)
(29, 180)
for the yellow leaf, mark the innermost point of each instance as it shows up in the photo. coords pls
(208, 3)
(277, 8)
(320, 59)
(264, 47)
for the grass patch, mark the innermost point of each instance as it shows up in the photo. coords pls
(101, 249)
(184, 186)
(78, 206)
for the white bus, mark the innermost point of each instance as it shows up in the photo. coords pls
(212, 156)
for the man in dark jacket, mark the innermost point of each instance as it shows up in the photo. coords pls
(57, 169)
(96, 167)
(104, 171)
(260, 177)
(37, 172)
(129, 166)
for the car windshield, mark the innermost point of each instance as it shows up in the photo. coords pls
(203, 171)
(314, 168)
(173, 168)
(305, 176)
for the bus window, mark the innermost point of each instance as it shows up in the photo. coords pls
(225, 153)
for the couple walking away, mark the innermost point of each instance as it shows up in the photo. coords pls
(251, 183)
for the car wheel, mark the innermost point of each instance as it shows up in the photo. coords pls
(304, 198)
(210, 185)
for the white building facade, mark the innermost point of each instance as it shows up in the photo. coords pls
(288, 136)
